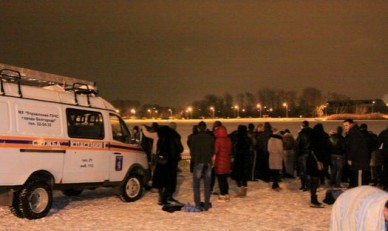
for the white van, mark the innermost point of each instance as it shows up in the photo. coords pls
(57, 134)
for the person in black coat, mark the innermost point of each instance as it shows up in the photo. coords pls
(337, 151)
(372, 143)
(357, 153)
(202, 150)
(319, 148)
(264, 172)
(383, 140)
(302, 151)
(189, 140)
(241, 153)
(169, 148)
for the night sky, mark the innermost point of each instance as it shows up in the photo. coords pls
(175, 52)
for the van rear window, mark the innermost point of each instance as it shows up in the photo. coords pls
(85, 124)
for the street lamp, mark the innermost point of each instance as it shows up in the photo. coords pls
(189, 112)
(326, 106)
(373, 106)
(259, 109)
(156, 113)
(149, 112)
(212, 112)
(285, 105)
(133, 111)
(237, 111)
(170, 110)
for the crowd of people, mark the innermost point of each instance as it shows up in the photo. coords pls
(347, 157)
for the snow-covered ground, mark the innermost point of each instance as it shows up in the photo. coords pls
(262, 209)
(101, 209)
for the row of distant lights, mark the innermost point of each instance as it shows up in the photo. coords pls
(212, 109)
(190, 109)
(259, 107)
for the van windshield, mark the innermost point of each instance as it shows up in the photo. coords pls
(119, 129)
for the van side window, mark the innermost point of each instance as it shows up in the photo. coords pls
(119, 129)
(85, 124)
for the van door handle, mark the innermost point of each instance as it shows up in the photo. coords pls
(117, 153)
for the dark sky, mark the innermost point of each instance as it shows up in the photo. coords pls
(174, 52)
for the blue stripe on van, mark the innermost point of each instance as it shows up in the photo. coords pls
(15, 141)
(6, 141)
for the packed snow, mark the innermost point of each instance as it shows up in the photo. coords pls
(101, 209)
(262, 209)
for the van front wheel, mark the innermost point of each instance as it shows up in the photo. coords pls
(131, 189)
(35, 200)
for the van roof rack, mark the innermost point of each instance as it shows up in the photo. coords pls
(37, 78)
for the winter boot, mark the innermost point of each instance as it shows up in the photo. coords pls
(243, 191)
(315, 203)
(223, 198)
(302, 183)
(163, 197)
(160, 198)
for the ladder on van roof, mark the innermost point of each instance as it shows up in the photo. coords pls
(24, 76)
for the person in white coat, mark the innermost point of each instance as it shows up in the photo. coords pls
(276, 156)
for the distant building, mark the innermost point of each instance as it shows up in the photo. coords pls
(356, 106)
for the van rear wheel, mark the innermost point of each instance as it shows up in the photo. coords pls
(132, 188)
(15, 207)
(35, 200)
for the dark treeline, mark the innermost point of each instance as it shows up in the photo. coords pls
(266, 102)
